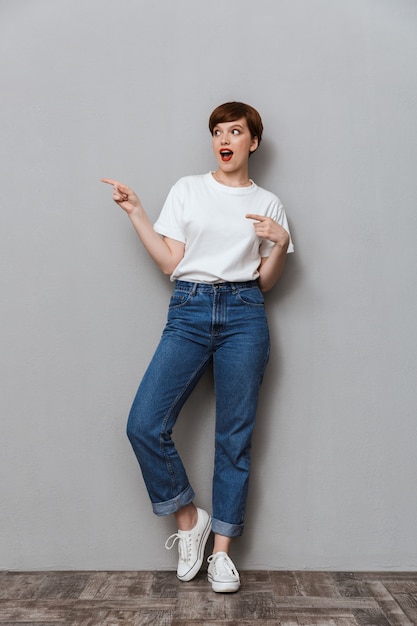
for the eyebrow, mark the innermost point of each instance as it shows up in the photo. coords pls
(231, 125)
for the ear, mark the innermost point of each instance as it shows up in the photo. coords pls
(254, 145)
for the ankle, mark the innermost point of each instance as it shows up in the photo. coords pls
(221, 544)
(186, 517)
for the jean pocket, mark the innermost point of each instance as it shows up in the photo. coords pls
(178, 299)
(252, 296)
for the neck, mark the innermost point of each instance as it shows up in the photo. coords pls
(233, 179)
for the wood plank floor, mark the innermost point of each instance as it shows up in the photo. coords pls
(158, 598)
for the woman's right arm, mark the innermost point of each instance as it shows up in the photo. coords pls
(166, 252)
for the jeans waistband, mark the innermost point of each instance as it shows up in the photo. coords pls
(187, 285)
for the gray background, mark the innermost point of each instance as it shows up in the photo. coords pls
(123, 89)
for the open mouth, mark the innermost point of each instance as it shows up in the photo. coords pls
(226, 155)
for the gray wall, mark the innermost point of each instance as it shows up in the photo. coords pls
(93, 88)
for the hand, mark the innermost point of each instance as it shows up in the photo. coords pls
(268, 228)
(123, 195)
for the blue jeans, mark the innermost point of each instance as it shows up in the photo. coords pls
(224, 325)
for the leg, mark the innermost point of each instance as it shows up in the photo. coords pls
(174, 371)
(239, 364)
(180, 360)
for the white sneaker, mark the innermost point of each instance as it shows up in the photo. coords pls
(191, 544)
(222, 574)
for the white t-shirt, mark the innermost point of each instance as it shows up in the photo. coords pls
(209, 218)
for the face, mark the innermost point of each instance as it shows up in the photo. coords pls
(232, 144)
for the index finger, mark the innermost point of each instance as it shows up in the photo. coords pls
(118, 186)
(253, 216)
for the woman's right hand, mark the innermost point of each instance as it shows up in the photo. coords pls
(123, 195)
(166, 252)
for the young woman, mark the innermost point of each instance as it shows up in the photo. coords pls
(223, 240)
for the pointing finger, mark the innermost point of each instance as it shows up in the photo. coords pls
(116, 184)
(119, 188)
(253, 216)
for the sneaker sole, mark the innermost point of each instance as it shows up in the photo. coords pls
(231, 587)
(200, 557)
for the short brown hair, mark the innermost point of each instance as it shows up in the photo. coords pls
(232, 111)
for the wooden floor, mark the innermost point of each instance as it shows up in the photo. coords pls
(267, 598)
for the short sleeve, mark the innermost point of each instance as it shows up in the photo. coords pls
(170, 222)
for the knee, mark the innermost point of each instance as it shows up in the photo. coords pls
(134, 428)
(141, 430)
(129, 429)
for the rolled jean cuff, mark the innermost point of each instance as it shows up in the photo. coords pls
(225, 529)
(172, 506)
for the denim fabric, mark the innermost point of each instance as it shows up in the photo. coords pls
(224, 325)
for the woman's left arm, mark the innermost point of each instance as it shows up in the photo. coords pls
(271, 267)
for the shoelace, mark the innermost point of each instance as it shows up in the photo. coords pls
(183, 545)
(223, 562)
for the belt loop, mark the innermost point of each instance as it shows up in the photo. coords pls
(194, 289)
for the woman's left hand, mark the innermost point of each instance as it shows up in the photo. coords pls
(268, 228)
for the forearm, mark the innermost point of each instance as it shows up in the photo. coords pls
(166, 255)
(166, 252)
(272, 267)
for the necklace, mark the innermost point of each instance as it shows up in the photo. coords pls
(248, 183)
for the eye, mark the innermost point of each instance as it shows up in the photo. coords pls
(235, 131)
(216, 132)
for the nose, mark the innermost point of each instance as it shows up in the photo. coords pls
(225, 140)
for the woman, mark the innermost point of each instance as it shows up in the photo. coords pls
(223, 240)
